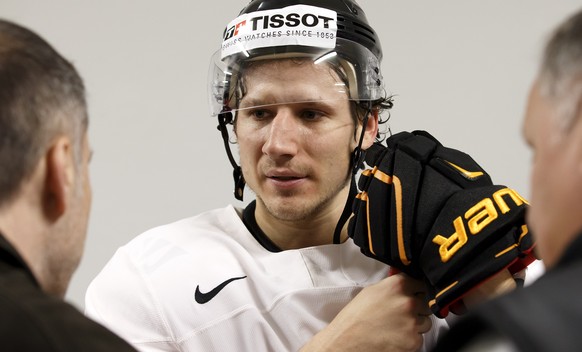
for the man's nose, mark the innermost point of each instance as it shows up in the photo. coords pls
(282, 138)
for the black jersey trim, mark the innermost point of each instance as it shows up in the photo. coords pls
(250, 222)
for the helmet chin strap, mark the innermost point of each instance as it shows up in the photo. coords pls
(224, 118)
(356, 162)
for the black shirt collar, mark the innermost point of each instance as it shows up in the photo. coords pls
(10, 257)
(251, 223)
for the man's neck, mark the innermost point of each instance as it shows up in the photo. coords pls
(20, 226)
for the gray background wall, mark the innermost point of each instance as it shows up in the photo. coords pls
(459, 69)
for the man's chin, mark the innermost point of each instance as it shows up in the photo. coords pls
(287, 208)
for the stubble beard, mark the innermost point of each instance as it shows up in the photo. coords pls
(293, 210)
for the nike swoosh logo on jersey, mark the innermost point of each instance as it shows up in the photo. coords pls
(470, 175)
(205, 297)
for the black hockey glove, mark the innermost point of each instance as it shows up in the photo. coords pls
(433, 213)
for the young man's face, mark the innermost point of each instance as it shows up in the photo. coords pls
(556, 176)
(295, 156)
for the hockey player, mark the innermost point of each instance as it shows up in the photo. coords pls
(300, 83)
(297, 89)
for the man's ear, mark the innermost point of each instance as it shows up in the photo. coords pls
(59, 178)
(371, 129)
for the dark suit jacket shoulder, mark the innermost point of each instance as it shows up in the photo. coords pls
(31, 320)
(545, 316)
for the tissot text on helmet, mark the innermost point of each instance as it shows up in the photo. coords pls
(300, 24)
(279, 20)
(290, 20)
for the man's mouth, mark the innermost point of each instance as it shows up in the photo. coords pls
(284, 178)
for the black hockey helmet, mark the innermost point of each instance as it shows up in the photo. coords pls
(332, 31)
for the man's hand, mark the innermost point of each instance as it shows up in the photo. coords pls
(499, 284)
(391, 315)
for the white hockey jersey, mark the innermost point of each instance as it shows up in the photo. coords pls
(205, 284)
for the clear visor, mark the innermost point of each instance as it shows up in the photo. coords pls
(356, 75)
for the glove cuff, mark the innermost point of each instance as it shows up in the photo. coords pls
(489, 237)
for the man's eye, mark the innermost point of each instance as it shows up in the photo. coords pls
(311, 114)
(260, 114)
